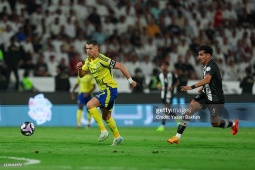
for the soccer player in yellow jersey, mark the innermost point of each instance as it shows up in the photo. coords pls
(87, 86)
(100, 67)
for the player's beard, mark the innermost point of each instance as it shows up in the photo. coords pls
(202, 62)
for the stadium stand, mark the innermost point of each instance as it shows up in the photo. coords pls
(138, 33)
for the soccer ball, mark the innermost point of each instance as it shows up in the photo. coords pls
(27, 128)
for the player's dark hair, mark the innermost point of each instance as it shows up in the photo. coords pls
(93, 42)
(165, 62)
(206, 48)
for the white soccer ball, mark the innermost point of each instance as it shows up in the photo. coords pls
(27, 128)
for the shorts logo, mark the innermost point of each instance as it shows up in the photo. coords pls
(98, 96)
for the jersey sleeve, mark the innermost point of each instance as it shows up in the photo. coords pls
(85, 65)
(106, 61)
(210, 69)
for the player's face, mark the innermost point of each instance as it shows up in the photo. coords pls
(203, 57)
(91, 50)
(163, 67)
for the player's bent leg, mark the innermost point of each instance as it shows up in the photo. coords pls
(89, 119)
(79, 116)
(112, 126)
(91, 106)
(193, 108)
(215, 114)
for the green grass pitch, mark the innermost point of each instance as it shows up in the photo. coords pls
(143, 148)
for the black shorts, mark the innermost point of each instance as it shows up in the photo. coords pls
(167, 100)
(215, 108)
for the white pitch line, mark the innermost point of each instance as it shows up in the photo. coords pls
(29, 161)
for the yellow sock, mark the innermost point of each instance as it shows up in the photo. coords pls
(112, 125)
(79, 115)
(89, 118)
(97, 116)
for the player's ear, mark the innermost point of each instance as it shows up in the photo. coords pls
(96, 47)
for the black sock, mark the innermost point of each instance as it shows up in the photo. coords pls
(183, 124)
(225, 123)
(163, 122)
(181, 128)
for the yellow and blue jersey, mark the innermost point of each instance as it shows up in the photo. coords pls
(101, 69)
(86, 83)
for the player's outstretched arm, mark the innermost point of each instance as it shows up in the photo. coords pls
(125, 73)
(205, 80)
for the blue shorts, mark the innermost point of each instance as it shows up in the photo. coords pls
(107, 97)
(83, 100)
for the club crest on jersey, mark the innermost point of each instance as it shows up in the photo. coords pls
(208, 68)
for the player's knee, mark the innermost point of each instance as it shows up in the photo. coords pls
(104, 117)
(89, 105)
(215, 123)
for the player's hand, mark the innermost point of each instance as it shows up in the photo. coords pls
(133, 84)
(185, 88)
(72, 96)
(79, 65)
(159, 87)
(200, 90)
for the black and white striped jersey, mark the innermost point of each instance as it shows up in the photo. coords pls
(166, 80)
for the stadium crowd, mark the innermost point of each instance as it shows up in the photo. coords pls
(42, 35)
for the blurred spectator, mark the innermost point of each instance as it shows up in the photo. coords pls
(150, 49)
(247, 82)
(63, 65)
(49, 52)
(52, 66)
(20, 35)
(94, 17)
(146, 64)
(122, 25)
(41, 68)
(152, 28)
(26, 84)
(182, 78)
(6, 35)
(62, 54)
(3, 81)
(13, 59)
(140, 79)
(62, 82)
(153, 81)
(99, 35)
(73, 64)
